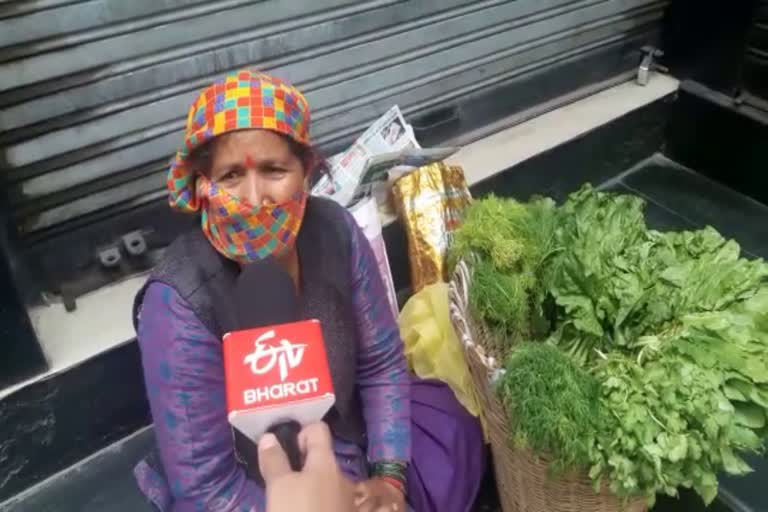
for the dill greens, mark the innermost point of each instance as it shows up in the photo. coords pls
(507, 242)
(553, 405)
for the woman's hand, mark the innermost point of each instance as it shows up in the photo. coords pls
(318, 487)
(377, 495)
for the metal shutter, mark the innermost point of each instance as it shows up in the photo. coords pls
(94, 93)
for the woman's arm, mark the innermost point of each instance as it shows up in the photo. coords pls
(382, 370)
(184, 375)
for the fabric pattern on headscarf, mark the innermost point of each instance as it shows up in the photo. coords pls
(241, 100)
(245, 233)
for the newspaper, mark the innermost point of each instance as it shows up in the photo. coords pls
(367, 216)
(386, 166)
(388, 134)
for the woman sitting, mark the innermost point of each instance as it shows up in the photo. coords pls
(244, 168)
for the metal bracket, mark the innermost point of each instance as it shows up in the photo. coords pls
(110, 257)
(135, 244)
(648, 65)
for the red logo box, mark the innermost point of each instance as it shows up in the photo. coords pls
(275, 374)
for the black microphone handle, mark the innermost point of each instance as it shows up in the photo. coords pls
(287, 434)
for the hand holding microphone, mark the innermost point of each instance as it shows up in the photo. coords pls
(318, 487)
(275, 364)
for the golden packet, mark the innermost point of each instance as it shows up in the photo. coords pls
(430, 202)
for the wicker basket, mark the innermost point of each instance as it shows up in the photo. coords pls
(523, 478)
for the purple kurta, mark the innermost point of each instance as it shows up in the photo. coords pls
(184, 376)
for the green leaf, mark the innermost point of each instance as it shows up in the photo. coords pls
(750, 415)
(733, 464)
(737, 390)
(708, 493)
(745, 439)
(507, 243)
(759, 395)
(677, 449)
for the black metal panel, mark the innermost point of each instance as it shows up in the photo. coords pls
(21, 356)
(20, 352)
(89, 122)
(719, 139)
(705, 41)
(756, 58)
(722, 45)
(53, 423)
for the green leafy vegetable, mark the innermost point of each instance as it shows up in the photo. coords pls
(702, 271)
(508, 242)
(603, 277)
(618, 281)
(553, 405)
(503, 301)
(672, 427)
(650, 360)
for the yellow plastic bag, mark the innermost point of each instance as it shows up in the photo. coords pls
(431, 346)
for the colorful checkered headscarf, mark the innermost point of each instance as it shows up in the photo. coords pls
(240, 101)
(243, 100)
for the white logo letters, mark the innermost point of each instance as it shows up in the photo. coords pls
(287, 356)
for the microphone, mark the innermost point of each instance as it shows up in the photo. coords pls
(275, 365)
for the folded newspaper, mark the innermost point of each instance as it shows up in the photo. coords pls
(390, 133)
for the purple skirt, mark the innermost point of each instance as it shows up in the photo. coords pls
(447, 451)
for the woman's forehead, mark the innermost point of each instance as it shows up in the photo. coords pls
(256, 144)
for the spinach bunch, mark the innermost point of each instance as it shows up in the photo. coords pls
(675, 328)
(617, 281)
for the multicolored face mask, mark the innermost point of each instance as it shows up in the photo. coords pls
(246, 233)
